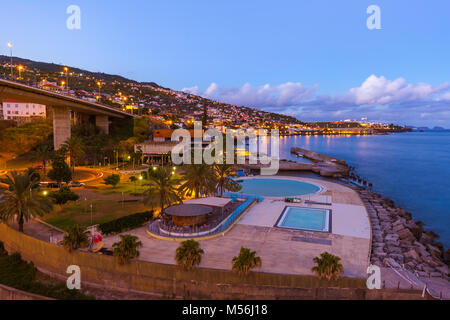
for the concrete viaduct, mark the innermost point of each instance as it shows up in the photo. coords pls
(63, 107)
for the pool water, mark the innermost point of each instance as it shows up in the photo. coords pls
(305, 219)
(277, 187)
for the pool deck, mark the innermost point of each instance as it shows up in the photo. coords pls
(282, 250)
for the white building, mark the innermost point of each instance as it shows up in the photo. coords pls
(21, 111)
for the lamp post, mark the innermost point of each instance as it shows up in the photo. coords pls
(10, 45)
(20, 71)
(66, 69)
(99, 84)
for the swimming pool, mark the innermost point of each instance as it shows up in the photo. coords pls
(305, 219)
(277, 187)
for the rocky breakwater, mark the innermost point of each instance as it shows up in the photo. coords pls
(324, 165)
(397, 239)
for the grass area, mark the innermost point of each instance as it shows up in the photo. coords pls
(102, 211)
(127, 188)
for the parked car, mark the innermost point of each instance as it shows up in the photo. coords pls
(53, 185)
(75, 184)
(38, 167)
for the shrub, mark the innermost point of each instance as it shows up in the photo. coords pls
(21, 275)
(189, 254)
(63, 195)
(3, 251)
(112, 180)
(127, 248)
(129, 222)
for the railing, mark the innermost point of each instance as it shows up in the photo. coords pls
(159, 229)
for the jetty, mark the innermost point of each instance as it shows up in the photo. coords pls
(323, 165)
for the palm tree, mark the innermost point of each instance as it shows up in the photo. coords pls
(245, 261)
(189, 254)
(162, 188)
(328, 266)
(44, 153)
(76, 238)
(127, 248)
(74, 146)
(223, 173)
(199, 180)
(21, 199)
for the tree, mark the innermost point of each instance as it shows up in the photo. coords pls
(21, 199)
(162, 188)
(328, 266)
(63, 195)
(127, 248)
(133, 179)
(112, 180)
(75, 238)
(60, 170)
(223, 173)
(74, 146)
(245, 261)
(199, 180)
(43, 153)
(189, 254)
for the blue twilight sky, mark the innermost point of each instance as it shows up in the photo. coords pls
(316, 60)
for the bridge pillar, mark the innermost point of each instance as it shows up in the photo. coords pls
(61, 126)
(103, 123)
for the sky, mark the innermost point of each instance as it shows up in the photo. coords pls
(316, 60)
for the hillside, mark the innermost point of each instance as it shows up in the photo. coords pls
(147, 97)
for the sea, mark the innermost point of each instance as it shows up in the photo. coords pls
(412, 169)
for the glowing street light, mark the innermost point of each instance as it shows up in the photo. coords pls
(44, 193)
(99, 84)
(66, 70)
(20, 71)
(63, 83)
(10, 45)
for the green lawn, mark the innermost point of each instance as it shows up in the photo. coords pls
(102, 211)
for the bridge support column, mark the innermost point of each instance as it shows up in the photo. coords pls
(61, 126)
(103, 123)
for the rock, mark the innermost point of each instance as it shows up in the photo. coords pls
(435, 252)
(405, 234)
(422, 274)
(393, 249)
(397, 257)
(436, 274)
(431, 262)
(398, 227)
(426, 238)
(391, 237)
(391, 262)
(412, 254)
(393, 243)
(428, 268)
(445, 270)
(422, 252)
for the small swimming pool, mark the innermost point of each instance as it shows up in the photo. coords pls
(305, 219)
(277, 187)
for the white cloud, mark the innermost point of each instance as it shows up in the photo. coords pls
(286, 94)
(379, 90)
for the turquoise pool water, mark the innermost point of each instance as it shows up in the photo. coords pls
(277, 187)
(305, 219)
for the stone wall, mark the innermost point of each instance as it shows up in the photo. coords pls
(170, 280)
(8, 293)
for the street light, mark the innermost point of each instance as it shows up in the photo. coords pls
(10, 45)
(66, 69)
(20, 71)
(99, 90)
(63, 83)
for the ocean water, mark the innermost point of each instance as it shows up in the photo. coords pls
(413, 169)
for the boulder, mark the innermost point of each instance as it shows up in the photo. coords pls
(445, 270)
(412, 254)
(435, 252)
(426, 238)
(405, 234)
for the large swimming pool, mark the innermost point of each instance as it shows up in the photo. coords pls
(277, 187)
(305, 219)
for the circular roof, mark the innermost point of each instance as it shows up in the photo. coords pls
(188, 210)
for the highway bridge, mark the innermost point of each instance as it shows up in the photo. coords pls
(66, 109)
